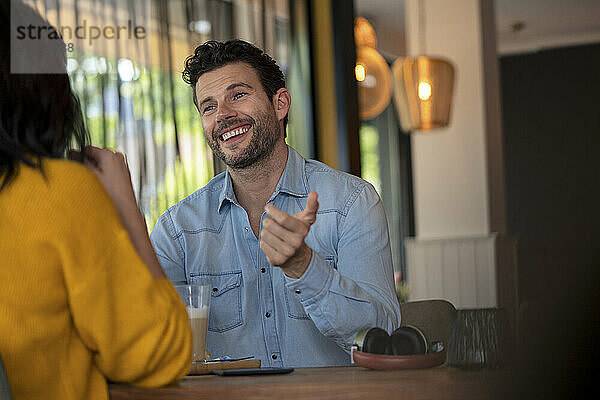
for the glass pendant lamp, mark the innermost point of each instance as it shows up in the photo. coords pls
(371, 71)
(423, 88)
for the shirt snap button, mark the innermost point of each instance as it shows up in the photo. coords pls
(274, 356)
(215, 289)
(298, 291)
(267, 314)
(263, 270)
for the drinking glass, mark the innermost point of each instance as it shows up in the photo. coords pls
(197, 301)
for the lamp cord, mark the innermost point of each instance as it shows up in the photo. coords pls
(422, 49)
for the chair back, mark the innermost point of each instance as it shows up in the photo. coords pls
(433, 317)
(4, 387)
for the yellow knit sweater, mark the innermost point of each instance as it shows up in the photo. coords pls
(77, 304)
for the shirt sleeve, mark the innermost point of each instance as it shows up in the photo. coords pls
(134, 324)
(167, 248)
(360, 292)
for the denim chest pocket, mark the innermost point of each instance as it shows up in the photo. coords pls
(225, 299)
(295, 309)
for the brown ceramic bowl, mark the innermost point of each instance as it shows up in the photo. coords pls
(417, 361)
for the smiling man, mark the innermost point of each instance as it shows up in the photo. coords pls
(297, 253)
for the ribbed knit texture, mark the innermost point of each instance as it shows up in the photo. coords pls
(77, 304)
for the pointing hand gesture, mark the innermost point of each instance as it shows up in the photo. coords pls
(282, 237)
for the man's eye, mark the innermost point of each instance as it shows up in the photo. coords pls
(208, 108)
(238, 95)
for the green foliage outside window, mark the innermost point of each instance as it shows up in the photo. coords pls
(369, 155)
(139, 117)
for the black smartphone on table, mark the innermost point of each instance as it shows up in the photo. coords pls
(252, 371)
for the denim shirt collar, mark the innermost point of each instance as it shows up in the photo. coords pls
(293, 181)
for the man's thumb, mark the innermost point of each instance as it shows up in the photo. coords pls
(312, 205)
(309, 214)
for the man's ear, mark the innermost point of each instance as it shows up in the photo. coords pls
(281, 102)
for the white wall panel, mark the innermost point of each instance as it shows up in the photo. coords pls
(460, 270)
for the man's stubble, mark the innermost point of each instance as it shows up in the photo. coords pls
(265, 134)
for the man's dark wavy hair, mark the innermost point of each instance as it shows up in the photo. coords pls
(40, 117)
(212, 55)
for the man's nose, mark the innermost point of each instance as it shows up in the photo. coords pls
(225, 112)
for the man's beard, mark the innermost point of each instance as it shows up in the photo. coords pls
(265, 133)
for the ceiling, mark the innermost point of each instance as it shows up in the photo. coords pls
(547, 23)
(544, 23)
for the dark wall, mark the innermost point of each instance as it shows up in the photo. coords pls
(551, 117)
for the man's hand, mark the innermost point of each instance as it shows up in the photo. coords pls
(282, 237)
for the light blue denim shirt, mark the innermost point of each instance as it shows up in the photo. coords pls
(255, 309)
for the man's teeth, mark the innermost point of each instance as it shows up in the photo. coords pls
(235, 132)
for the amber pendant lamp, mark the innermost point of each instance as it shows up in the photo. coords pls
(423, 88)
(371, 71)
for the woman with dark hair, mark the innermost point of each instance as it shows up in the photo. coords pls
(83, 298)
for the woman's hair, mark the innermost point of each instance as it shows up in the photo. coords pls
(212, 55)
(40, 117)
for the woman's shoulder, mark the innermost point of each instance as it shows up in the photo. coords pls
(61, 169)
(65, 175)
(68, 185)
(62, 199)
(53, 177)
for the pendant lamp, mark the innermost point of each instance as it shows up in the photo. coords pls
(371, 71)
(423, 88)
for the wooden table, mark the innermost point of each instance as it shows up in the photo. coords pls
(332, 383)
